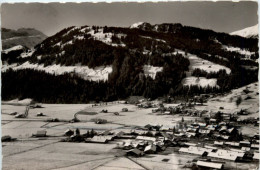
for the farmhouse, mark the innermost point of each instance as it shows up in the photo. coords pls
(150, 149)
(195, 150)
(100, 139)
(227, 155)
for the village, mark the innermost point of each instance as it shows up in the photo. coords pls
(184, 135)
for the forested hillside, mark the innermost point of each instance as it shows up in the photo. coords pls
(145, 59)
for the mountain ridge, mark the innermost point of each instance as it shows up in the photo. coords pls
(149, 60)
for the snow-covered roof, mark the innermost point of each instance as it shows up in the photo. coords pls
(210, 164)
(195, 150)
(254, 145)
(226, 154)
(218, 143)
(256, 155)
(146, 138)
(150, 148)
(232, 143)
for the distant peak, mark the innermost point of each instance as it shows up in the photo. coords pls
(247, 32)
(136, 25)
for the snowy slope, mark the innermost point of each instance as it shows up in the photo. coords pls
(14, 48)
(96, 74)
(247, 32)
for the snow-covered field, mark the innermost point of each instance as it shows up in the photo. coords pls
(32, 153)
(201, 81)
(250, 101)
(96, 74)
(197, 62)
(151, 71)
(208, 66)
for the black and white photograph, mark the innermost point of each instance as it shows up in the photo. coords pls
(130, 85)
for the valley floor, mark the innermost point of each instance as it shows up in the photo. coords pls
(48, 153)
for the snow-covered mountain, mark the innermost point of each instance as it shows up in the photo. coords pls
(27, 37)
(249, 32)
(143, 59)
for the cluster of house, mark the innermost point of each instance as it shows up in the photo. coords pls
(219, 154)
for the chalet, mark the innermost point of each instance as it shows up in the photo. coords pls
(211, 127)
(202, 124)
(232, 144)
(128, 145)
(69, 132)
(40, 133)
(191, 130)
(124, 110)
(212, 120)
(166, 136)
(245, 143)
(245, 148)
(255, 146)
(204, 132)
(119, 134)
(224, 137)
(218, 143)
(190, 144)
(150, 149)
(190, 134)
(100, 139)
(159, 146)
(210, 165)
(146, 138)
(223, 129)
